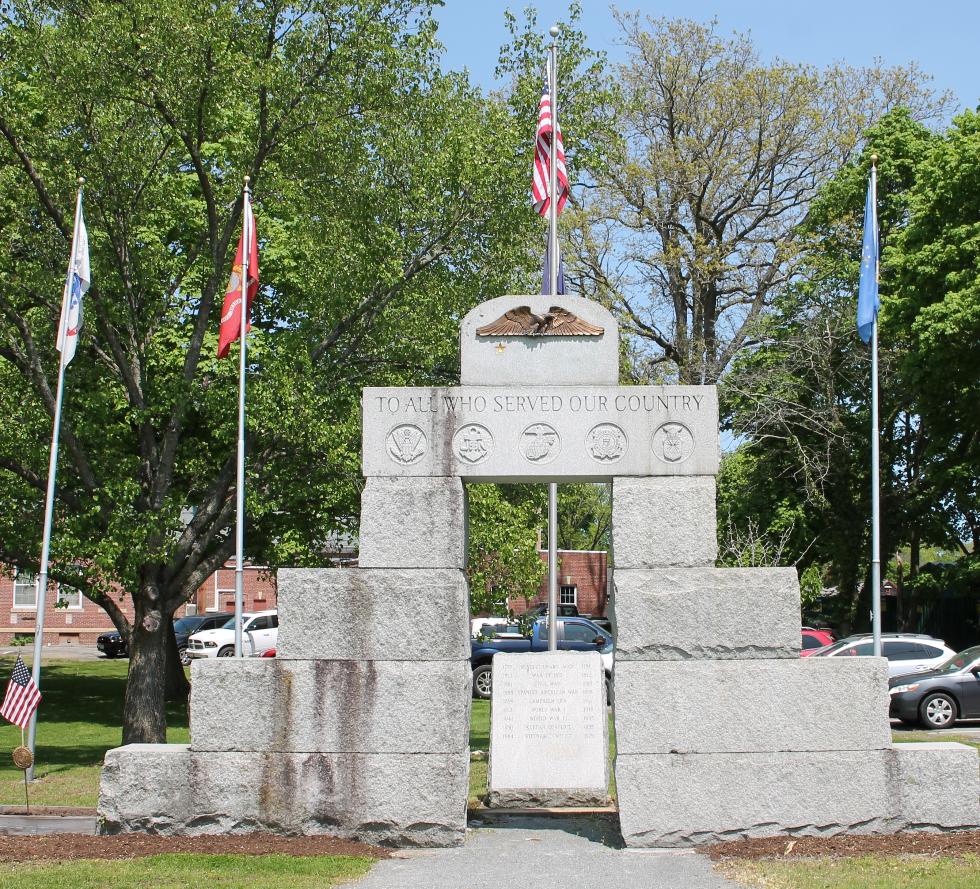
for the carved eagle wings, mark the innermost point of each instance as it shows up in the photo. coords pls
(523, 322)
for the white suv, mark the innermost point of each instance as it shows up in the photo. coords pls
(260, 631)
(906, 652)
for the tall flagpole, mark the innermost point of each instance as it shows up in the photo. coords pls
(42, 578)
(553, 290)
(240, 478)
(875, 512)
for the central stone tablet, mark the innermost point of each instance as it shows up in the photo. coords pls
(541, 433)
(549, 735)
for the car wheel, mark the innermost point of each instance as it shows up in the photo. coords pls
(185, 658)
(227, 651)
(937, 711)
(483, 682)
(109, 654)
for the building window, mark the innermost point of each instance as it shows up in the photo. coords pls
(568, 594)
(70, 598)
(221, 592)
(25, 590)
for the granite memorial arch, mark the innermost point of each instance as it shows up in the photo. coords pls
(354, 731)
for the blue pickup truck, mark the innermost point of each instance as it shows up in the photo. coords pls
(574, 634)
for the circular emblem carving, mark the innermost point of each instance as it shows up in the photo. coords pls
(540, 443)
(406, 444)
(606, 442)
(673, 442)
(473, 443)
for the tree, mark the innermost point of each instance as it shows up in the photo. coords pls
(389, 199)
(690, 229)
(802, 397)
(933, 316)
(503, 562)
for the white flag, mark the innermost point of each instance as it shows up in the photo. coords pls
(76, 284)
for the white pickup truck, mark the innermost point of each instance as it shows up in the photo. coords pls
(260, 630)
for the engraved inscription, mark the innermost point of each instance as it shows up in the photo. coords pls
(406, 444)
(540, 443)
(606, 442)
(547, 729)
(453, 403)
(673, 442)
(473, 443)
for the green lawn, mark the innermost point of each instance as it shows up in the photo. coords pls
(180, 871)
(926, 736)
(880, 872)
(79, 719)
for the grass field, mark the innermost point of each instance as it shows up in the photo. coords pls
(869, 872)
(181, 871)
(79, 719)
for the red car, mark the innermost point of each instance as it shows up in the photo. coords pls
(814, 639)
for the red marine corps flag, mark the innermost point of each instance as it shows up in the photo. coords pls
(231, 319)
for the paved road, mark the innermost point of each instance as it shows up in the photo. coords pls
(55, 652)
(546, 853)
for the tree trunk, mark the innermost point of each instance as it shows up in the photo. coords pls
(177, 686)
(144, 712)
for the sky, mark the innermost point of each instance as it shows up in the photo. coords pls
(940, 35)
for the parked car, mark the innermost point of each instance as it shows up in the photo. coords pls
(566, 610)
(113, 645)
(906, 652)
(480, 625)
(814, 639)
(260, 631)
(937, 698)
(574, 634)
(184, 627)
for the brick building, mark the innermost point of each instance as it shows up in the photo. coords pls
(76, 620)
(583, 581)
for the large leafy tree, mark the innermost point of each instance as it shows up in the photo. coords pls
(802, 397)
(933, 316)
(690, 226)
(389, 199)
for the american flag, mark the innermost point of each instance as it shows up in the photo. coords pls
(22, 696)
(542, 160)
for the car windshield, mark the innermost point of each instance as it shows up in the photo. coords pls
(230, 623)
(837, 646)
(185, 624)
(958, 661)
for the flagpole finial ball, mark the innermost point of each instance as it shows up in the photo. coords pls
(874, 158)
(80, 180)
(247, 180)
(554, 30)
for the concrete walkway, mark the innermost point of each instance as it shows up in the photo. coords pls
(546, 853)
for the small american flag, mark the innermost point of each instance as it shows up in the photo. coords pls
(542, 161)
(22, 696)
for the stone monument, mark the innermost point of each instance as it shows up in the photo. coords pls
(357, 730)
(549, 734)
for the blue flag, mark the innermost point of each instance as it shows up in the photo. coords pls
(546, 273)
(868, 302)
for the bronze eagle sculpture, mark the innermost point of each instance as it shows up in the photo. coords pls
(523, 322)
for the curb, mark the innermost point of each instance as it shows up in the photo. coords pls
(28, 825)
